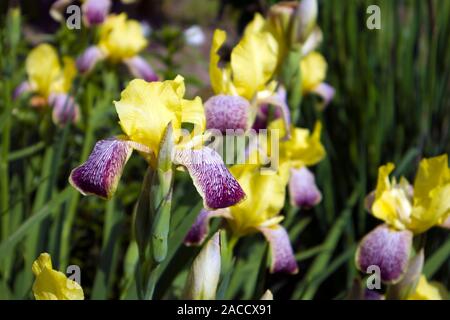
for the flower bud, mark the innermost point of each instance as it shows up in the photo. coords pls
(88, 59)
(204, 275)
(64, 109)
(279, 19)
(141, 69)
(95, 11)
(226, 112)
(306, 16)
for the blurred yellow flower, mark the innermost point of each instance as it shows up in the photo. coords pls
(146, 108)
(51, 284)
(121, 38)
(415, 208)
(313, 68)
(425, 291)
(45, 73)
(252, 64)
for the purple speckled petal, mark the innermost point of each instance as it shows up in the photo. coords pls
(88, 59)
(100, 174)
(303, 190)
(211, 177)
(386, 248)
(95, 11)
(283, 259)
(226, 112)
(141, 69)
(325, 91)
(65, 109)
(200, 228)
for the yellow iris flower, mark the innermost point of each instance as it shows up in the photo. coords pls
(46, 75)
(121, 38)
(264, 201)
(252, 64)
(419, 208)
(302, 149)
(146, 108)
(425, 291)
(51, 284)
(313, 68)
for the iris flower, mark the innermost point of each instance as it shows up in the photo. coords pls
(121, 40)
(296, 154)
(50, 81)
(407, 211)
(259, 212)
(51, 284)
(145, 110)
(249, 75)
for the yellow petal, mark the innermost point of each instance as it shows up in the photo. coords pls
(304, 148)
(43, 262)
(54, 285)
(146, 108)
(193, 112)
(383, 183)
(64, 80)
(425, 291)
(313, 70)
(253, 63)
(121, 38)
(265, 195)
(51, 284)
(43, 69)
(220, 78)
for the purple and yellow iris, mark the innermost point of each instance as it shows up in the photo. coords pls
(145, 110)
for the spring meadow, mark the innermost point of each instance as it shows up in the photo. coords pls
(224, 150)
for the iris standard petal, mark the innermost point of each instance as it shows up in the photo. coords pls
(313, 70)
(227, 112)
(303, 190)
(216, 185)
(386, 248)
(283, 259)
(100, 174)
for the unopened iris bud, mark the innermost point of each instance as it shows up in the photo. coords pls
(227, 112)
(204, 275)
(141, 69)
(65, 109)
(279, 19)
(303, 190)
(95, 11)
(88, 59)
(306, 17)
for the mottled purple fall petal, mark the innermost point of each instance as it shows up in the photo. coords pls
(141, 69)
(303, 190)
(100, 174)
(283, 259)
(211, 177)
(88, 59)
(227, 112)
(65, 109)
(95, 11)
(387, 249)
(200, 228)
(373, 295)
